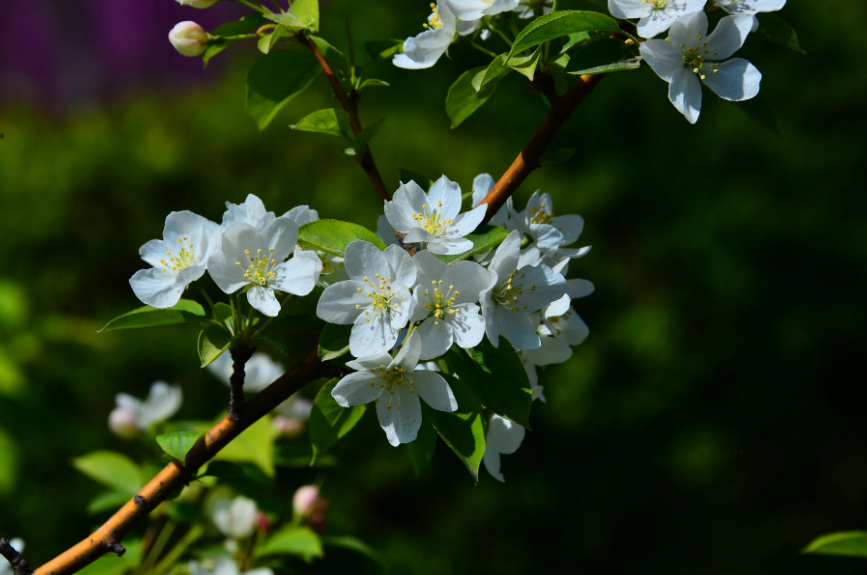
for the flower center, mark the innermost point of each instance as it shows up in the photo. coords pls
(441, 303)
(184, 259)
(694, 57)
(656, 4)
(432, 222)
(389, 380)
(507, 294)
(540, 216)
(259, 269)
(434, 22)
(380, 296)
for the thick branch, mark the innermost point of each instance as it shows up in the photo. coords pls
(530, 157)
(174, 476)
(19, 564)
(350, 105)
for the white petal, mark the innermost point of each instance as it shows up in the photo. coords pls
(539, 287)
(418, 312)
(400, 425)
(251, 212)
(153, 252)
(570, 226)
(628, 8)
(163, 402)
(385, 231)
(492, 464)
(548, 239)
(728, 36)
(530, 256)
(482, 185)
(425, 49)
(436, 337)
(407, 357)
(313, 257)
(656, 23)
(416, 235)
(504, 436)
(260, 371)
(371, 337)
(501, 6)
(558, 307)
(572, 329)
(736, 80)
(225, 272)
(468, 9)
(467, 325)
(281, 235)
(302, 215)
(338, 302)
(468, 278)
(297, 276)
(401, 306)
(434, 390)
(157, 288)
(580, 288)
(465, 28)
(355, 389)
(663, 58)
(516, 328)
(685, 93)
(685, 29)
(430, 268)
(467, 222)
(505, 259)
(364, 259)
(263, 299)
(444, 197)
(368, 361)
(551, 350)
(243, 517)
(491, 311)
(450, 246)
(402, 265)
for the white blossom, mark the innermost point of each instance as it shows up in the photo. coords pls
(424, 50)
(260, 371)
(549, 231)
(180, 258)
(252, 212)
(189, 39)
(375, 300)
(163, 402)
(691, 56)
(444, 297)
(504, 438)
(433, 217)
(235, 518)
(517, 290)
(656, 15)
(525, 11)
(476, 9)
(386, 232)
(395, 386)
(302, 215)
(256, 259)
(749, 8)
(222, 566)
(482, 186)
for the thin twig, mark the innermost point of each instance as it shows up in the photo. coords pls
(19, 564)
(175, 475)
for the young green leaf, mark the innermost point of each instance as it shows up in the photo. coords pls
(484, 239)
(329, 421)
(255, 445)
(526, 65)
(302, 15)
(214, 48)
(178, 444)
(212, 343)
(223, 470)
(574, 40)
(408, 175)
(354, 544)
(249, 22)
(495, 69)
(267, 41)
(332, 236)
(334, 122)
(275, 79)
(111, 469)
(462, 99)
(334, 341)
(561, 23)
(373, 82)
(848, 543)
(383, 49)
(292, 540)
(182, 312)
(495, 376)
(602, 57)
(775, 29)
(421, 451)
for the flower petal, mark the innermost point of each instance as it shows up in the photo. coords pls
(516, 328)
(551, 350)
(539, 286)
(506, 257)
(469, 280)
(373, 336)
(296, 276)
(281, 235)
(416, 235)
(444, 197)
(685, 29)
(734, 80)
(402, 265)
(685, 93)
(504, 436)
(467, 325)
(163, 402)
(482, 185)
(356, 389)
(580, 288)
(558, 307)
(407, 357)
(434, 390)
(399, 415)
(263, 299)
(467, 222)
(364, 259)
(385, 231)
(450, 246)
(728, 36)
(436, 337)
(157, 288)
(663, 58)
(342, 303)
(154, 252)
(570, 226)
(572, 329)
(628, 9)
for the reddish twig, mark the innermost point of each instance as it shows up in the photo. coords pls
(174, 476)
(350, 105)
(530, 157)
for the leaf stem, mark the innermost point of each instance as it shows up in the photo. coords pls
(483, 49)
(214, 310)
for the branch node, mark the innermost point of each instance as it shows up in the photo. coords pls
(140, 501)
(115, 547)
(19, 564)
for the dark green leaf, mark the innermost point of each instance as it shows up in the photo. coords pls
(761, 112)
(558, 73)
(496, 377)
(108, 501)
(484, 239)
(561, 23)
(293, 540)
(373, 82)
(275, 79)
(223, 470)
(249, 22)
(604, 56)
(214, 48)
(408, 175)
(223, 311)
(354, 544)
(495, 69)
(383, 49)
(329, 421)
(462, 99)
(334, 122)
(213, 342)
(112, 470)
(182, 312)
(574, 40)
(366, 134)
(267, 41)
(298, 456)
(178, 444)
(777, 30)
(302, 15)
(421, 451)
(462, 430)
(556, 155)
(848, 543)
(526, 65)
(276, 342)
(332, 236)
(334, 341)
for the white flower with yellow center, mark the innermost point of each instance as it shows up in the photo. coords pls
(517, 290)
(549, 231)
(749, 8)
(475, 9)
(433, 217)
(691, 58)
(444, 297)
(256, 260)
(252, 212)
(395, 386)
(180, 258)
(375, 300)
(656, 15)
(424, 50)
(482, 186)
(133, 415)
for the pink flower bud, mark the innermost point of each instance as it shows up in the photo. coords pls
(197, 3)
(189, 39)
(262, 523)
(306, 501)
(121, 421)
(287, 428)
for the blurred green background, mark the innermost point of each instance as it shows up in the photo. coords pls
(710, 424)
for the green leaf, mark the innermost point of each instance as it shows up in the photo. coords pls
(383, 49)
(354, 544)
(561, 23)
(223, 470)
(338, 61)
(213, 342)
(334, 122)
(293, 540)
(373, 82)
(526, 65)
(178, 444)
(366, 134)
(496, 377)
(332, 236)
(775, 29)
(558, 73)
(276, 342)
(334, 341)
(602, 57)
(302, 15)
(108, 501)
(462, 99)
(275, 79)
(249, 22)
(462, 430)
(255, 445)
(495, 69)
(223, 311)
(267, 41)
(408, 175)
(111, 469)
(848, 543)
(557, 155)
(214, 48)
(760, 111)
(329, 421)
(421, 451)
(575, 39)
(484, 238)
(182, 312)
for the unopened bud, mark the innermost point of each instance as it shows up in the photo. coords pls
(262, 523)
(307, 501)
(197, 3)
(189, 39)
(286, 427)
(121, 421)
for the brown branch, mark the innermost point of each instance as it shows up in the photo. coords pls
(240, 356)
(19, 564)
(350, 105)
(530, 157)
(174, 476)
